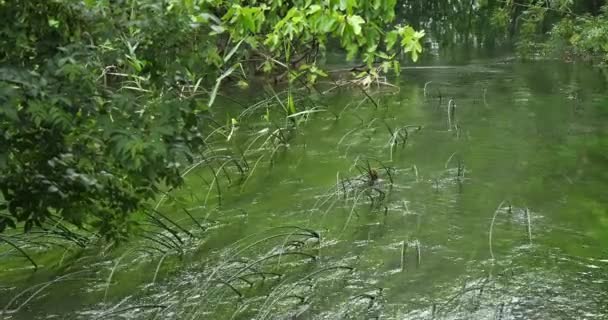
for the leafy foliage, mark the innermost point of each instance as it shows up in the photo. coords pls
(104, 101)
(535, 27)
(583, 36)
(574, 27)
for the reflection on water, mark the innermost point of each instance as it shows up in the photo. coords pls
(530, 136)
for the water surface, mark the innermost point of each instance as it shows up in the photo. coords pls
(498, 212)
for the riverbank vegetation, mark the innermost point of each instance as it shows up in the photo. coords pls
(566, 29)
(135, 135)
(105, 104)
(562, 29)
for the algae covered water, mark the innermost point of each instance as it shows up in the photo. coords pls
(469, 190)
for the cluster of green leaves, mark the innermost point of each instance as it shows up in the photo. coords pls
(548, 27)
(534, 27)
(584, 36)
(102, 102)
(289, 37)
(458, 23)
(90, 129)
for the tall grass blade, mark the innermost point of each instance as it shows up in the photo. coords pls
(233, 51)
(492, 228)
(403, 251)
(527, 212)
(194, 220)
(160, 262)
(144, 306)
(218, 82)
(109, 280)
(418, 254)
(41, 286)
(21, 251)
(174, 223)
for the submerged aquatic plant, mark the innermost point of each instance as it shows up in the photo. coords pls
(451, 111)
(529, 224)
(368, 183)
(520, 215)
(20, 250)
(263, 273)
(399, 136)
(403, 251)
(373, 184)
(490, 233)
(11, 307)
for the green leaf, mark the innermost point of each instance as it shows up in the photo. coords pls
(53, 23)
(368, 58)
(419, 34)
(351, 51)
(383, 55)
(391, 39)
(248, 21)
(396, 67)
(218, 82)
(355, 22)
(233, 51)
(267, 66)
(314, 69)
(242, 84)
(325, 24)
(206, 16)
(348, 5)
(385, 66)
(414, 55)
(411, 41)
(313, 9)
(217, 29)
(290, 104)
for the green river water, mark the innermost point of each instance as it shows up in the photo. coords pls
(530, 139)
